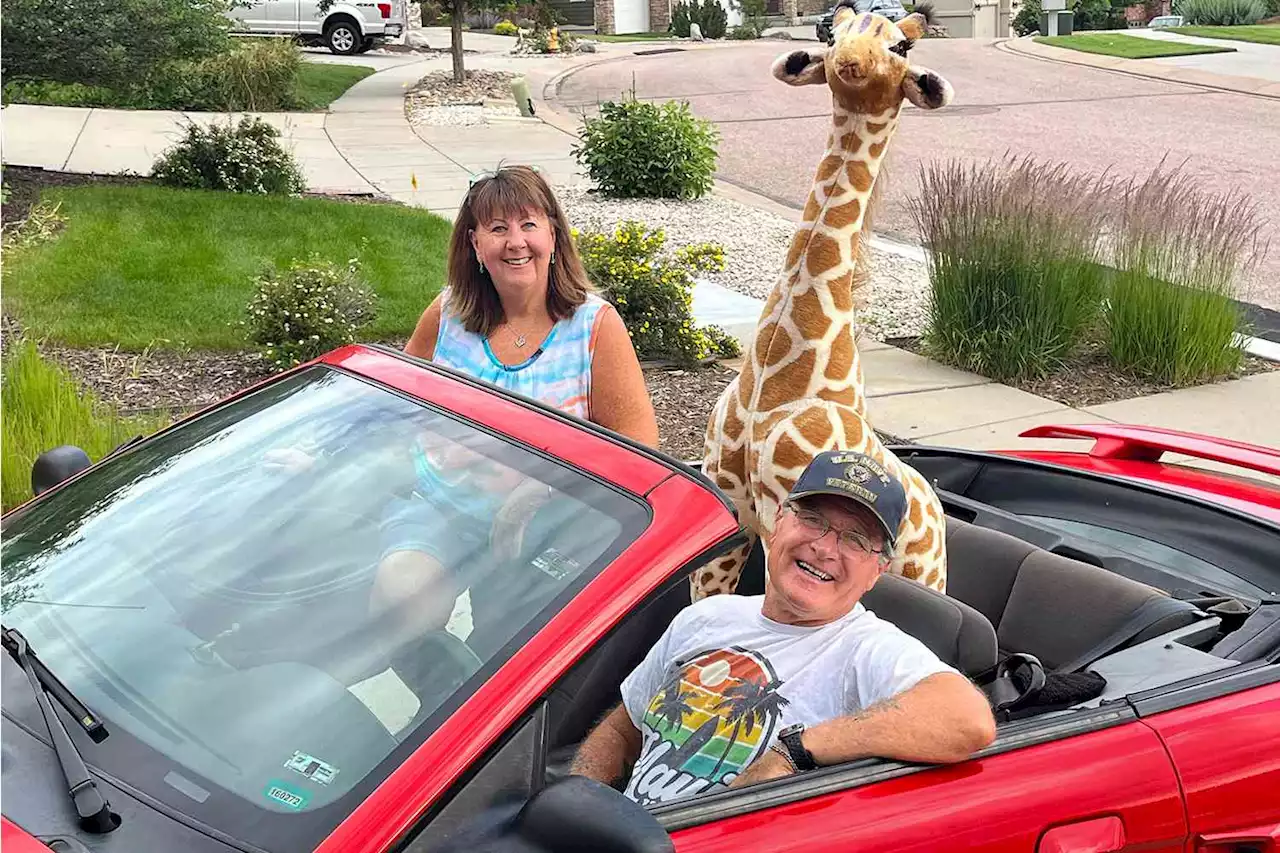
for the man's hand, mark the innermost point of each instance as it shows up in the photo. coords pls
(768, 766)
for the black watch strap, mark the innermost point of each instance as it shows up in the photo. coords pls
(800, 757)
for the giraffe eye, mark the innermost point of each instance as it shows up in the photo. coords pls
(902, 47)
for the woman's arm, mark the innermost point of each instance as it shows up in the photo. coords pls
(423, 341)
(619, 399)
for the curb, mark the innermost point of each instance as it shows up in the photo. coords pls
(1143, 68)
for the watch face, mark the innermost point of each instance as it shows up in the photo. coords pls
(794, 728)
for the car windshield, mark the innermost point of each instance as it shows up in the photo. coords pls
(272, 605)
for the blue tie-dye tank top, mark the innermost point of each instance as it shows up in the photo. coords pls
(559, 375)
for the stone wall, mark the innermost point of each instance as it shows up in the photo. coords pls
(604, 17)
(659, 15)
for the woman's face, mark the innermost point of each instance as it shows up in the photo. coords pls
(515, 249)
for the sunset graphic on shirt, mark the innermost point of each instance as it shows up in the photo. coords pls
(710, 719)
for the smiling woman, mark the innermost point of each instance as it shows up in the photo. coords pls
(520, 313)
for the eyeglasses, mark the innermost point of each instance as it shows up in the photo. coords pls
(850, 543)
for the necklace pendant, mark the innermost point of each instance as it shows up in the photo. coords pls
(520, 342)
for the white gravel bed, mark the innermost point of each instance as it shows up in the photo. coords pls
(755, 244)
(461, 115)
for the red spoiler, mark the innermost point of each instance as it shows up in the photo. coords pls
(1148, 444)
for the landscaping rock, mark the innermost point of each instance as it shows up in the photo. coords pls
(587, 47)
(482, 96)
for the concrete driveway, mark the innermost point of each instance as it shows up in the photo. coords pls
(1247, 60)
(1091, 119)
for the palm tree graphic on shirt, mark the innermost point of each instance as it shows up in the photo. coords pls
(715, 713)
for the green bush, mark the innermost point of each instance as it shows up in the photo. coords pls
(754, 18)
(1028, 18)
(1221, 13)
(638, 149)
(651, 290)
(309, 309)
(257, 75)
(118, 44)
(1171, 315)
(246, 157)
(506, 28)
(1014, 250)
(710, 17)
(1097, 15)
(44, 408)
(744, 32)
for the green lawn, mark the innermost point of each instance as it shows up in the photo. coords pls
(1261, 34)
(320, 83)
(1129, 47)
(139, 265)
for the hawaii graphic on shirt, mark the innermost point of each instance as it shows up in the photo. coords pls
(714, 714)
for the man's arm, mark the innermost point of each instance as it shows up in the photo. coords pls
(609, 751)
(942, 719)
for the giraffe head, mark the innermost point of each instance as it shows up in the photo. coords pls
(866, 67)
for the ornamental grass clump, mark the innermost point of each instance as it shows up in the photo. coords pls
(1172, 315)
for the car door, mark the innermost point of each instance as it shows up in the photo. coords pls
(284, 15)
(251, 15)
(1224, 739)
(1096, 781)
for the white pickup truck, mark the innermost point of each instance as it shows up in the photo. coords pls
(346, 26)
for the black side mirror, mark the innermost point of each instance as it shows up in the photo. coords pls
(574, 815)
(54, 466)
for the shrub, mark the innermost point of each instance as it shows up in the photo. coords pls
(1097, 15)
(1171, 316)
(119, 44)
(246, 157)
(744, 32)
(1221, 13)
(651, 290)
(640, 149)
(309, 309)
(43, 408)
(257, 75)
(1027, 20)
(506, 28)
(710, 17)
(754, 18)
(1014, 250)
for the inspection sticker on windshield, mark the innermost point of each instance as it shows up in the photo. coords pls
(555, 564)
(311, 767)
(286, 795)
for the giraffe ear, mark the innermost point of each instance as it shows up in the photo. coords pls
(801, 67)
(925, 89)
(914, 26)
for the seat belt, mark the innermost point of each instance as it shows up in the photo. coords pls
(1151, 612)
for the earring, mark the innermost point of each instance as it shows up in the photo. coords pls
(481, 263)
(553, 257)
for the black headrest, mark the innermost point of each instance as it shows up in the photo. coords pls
(951, 629)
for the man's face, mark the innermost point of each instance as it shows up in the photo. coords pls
(816, 577)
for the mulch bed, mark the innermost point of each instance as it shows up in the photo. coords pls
(1089, 379)
(25, 185)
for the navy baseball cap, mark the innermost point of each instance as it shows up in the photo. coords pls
(852, 475)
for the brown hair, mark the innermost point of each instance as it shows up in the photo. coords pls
(472, 296)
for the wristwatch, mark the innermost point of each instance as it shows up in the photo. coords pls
(802, 758)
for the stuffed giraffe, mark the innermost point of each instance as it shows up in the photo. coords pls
(800, 390)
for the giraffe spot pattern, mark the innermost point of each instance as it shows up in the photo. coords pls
(859, 176)
(843, 216)
(807, 314)
(877, 149)
(851, 142)
(828, 167)
(817, 431)
(823, 254)
(842, 292)
(876, 128)
(788, 454)
(789, 383)
(840, 358)
(798, 243)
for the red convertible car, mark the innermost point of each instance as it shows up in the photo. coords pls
(196, 662)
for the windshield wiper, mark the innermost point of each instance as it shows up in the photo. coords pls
(94, 812)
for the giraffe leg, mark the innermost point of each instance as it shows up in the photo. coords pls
(721, 575)
(922, 549)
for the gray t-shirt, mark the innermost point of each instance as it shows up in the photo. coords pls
(713, 692)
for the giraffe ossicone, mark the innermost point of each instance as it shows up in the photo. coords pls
(800, 391)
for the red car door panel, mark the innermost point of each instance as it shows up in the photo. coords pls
(1227, 755)
(1083, 794)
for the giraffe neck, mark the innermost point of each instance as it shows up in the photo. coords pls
(805, 344)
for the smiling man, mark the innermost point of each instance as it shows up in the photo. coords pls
(741, 689)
